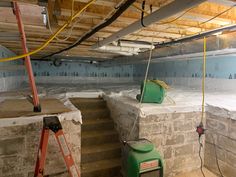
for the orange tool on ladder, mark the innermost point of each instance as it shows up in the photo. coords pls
(52, 123)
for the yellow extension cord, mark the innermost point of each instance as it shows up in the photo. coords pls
(203, 78)
(51, 38)
(161, 83)
(144, 11)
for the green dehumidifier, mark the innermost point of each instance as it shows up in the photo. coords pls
(154, 91)
(140, 159)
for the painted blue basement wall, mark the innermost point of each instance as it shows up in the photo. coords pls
(75, 72)
(11, 73)
(220, 72)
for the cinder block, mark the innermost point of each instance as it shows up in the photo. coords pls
(10, 165)
(211, 136)
(150, 128)
(191, 137)
(16, 174)
(184, 150)
(167, 128)
(168, 167)
(219, 127)
(231, 159)
(12, 131)
(11, 146)
(182, 125)
(218, 112)
(227, 143)
(210, 150)
(227, 170)
(168, 153)
(175, 139)
(34, 128)
(232, 129)
(178, 116)
(186, 163)
(210, 163)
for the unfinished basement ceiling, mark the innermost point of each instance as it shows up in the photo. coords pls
(203, 17)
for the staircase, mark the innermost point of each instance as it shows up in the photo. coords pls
(101, 149)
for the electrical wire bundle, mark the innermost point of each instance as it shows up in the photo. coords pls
(52, 37)
(120, 10)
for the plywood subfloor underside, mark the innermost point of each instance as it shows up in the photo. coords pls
(197, 173)
(13, 108)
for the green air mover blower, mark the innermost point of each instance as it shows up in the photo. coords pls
(140, 159)
(154, 92)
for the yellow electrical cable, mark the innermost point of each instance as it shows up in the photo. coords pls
(69, 33)
(203, 77)
(137, 7)
(161, 83)
(72, 8)
(51, 38)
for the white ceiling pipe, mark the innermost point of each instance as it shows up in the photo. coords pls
(133, 44)
(127, 51)
(167, 11)
(120, 49)
(119, 52)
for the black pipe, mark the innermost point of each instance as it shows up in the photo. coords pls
(142, 14)
(198, 36)
(117, 14)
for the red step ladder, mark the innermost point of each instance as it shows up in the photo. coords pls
(35, 98)
(52, 123)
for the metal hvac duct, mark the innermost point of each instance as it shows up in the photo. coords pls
(167, 11)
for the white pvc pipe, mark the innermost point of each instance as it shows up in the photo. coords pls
(120, 49)
(133, 44)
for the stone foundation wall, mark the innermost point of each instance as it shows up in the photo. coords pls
(221, 141)
(174, 134)
(175, 137)
(19, 146)
(123, 116)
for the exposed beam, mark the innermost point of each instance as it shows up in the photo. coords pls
(164, 12)
(100, 2)
(223, 2)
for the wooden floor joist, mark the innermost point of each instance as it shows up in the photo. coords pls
(59, 12)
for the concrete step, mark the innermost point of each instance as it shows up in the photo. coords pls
(104, 168)
(98, 137)
(97, 124)
(95, 114)
(101, 152)
(88, 103)
(101, 148)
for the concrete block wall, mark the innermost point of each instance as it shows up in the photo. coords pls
(187, 72)
(175, 137)
(221, 141)
(81, 73)
(173, 134)
(124, 117)
(19, 146)
(11, 73)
